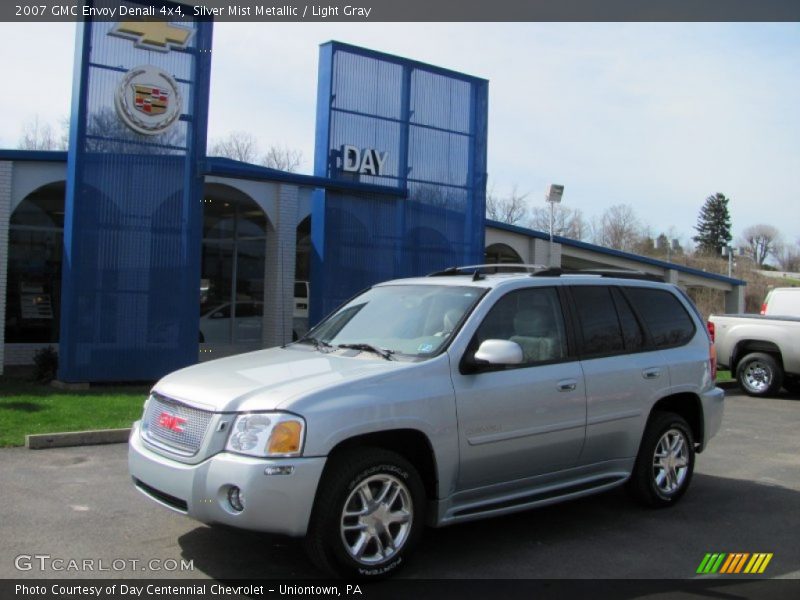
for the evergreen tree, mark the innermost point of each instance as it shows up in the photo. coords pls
(713, 225)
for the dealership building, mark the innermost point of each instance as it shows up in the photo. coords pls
(135, 254)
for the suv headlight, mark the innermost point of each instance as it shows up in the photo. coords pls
(267, 434)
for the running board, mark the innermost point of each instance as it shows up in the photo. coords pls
(538, 498)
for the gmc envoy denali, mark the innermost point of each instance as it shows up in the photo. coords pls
(436, 400)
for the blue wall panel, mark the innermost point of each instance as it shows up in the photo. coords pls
(433, 124)
(130, 289)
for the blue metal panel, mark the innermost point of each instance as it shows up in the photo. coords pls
(130, 288)
(432, 122)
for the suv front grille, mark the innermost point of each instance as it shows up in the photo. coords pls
(179, 427)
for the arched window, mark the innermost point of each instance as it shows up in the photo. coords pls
(232, 267)
(35, 247)
(499, 254)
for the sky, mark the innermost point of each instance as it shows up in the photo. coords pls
(655, 115)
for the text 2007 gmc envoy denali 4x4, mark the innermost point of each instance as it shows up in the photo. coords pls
(438, 400)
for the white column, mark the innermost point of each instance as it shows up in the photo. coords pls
(734, 300)
(540, 253)
(671, 276)
(6, 169)
(279, 267)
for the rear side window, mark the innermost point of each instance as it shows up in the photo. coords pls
(664, 316)
(599, 324)
(631, 330)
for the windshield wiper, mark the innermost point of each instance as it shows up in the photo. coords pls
(318, 344)
(382, 352)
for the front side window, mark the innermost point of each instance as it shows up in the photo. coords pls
(532, 318)
(414, 320)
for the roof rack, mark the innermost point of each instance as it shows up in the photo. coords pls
(478, 271)
(617, 273)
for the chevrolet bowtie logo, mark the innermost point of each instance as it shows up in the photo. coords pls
(153, 35)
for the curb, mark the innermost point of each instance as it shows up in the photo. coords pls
(77, 438)
(728, 385)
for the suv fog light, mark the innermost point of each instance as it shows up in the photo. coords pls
(236, 498)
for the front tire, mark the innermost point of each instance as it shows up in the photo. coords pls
(664, 466)
(759, 375)
(368, 514)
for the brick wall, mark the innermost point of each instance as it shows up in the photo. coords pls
(22, 354)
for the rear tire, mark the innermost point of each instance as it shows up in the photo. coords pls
(759, 375)
(664, 466)
(368, 514)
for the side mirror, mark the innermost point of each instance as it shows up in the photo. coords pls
(499, 352)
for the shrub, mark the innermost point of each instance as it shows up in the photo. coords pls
(46, 364)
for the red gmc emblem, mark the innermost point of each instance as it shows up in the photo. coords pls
(173, 422)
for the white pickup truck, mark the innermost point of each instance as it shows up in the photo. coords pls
(763, 351)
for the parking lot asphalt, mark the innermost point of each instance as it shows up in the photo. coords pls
(79, 504)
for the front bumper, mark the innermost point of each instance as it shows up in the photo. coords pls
(713, 402)
(272, 503)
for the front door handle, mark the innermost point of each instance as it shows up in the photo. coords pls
(568, 385)
(653, 373)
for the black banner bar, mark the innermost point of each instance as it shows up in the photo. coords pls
(505, 589)
(360, 11)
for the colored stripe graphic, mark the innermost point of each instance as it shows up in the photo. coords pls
(741, 563)
(758, 564)
(711, 563)
(733, 563)
(732, 558)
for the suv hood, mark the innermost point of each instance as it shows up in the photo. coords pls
(269, 379)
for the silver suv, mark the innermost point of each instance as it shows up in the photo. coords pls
(438, 400)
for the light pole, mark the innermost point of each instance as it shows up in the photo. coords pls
(553, 197)
(729, 252)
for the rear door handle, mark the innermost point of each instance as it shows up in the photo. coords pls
(568, 385)
(653, 373)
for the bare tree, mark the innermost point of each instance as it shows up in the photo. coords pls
(511, 210)
(237, 145)
(618, 228)
(788, 257)
(243, 146)
(567, 222)
(39, 135)
(760, 241)
(282, 158)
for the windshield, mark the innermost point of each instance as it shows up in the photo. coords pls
(415, 320)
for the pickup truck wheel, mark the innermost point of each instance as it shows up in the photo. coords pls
(665, 462)
(368, 514)
(759, 374)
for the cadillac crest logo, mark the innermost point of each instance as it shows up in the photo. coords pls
(148, 100)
